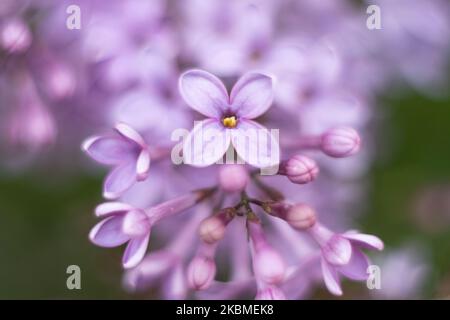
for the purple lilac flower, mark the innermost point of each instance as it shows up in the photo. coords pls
(127, 152)
(229, 118)
(124, 223)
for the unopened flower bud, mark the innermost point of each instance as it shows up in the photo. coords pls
(201, 272)
(233, 177)
(301, 216)
(300, 169)
(212, 229)
(15, 36)
(340, 142)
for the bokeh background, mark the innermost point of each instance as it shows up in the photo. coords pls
(46, 209)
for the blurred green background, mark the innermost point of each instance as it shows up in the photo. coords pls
(46, 215)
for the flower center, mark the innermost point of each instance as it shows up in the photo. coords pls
(229, 122)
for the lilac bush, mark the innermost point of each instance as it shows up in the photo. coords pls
(237, 132)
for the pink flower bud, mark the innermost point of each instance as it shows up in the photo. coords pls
(201, 272)
(212, 229)
(15, 36)
(300, 216)
(233, 177)
(300, 169)
(270, 293)
(340, 142)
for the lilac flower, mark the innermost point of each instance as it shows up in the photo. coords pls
(127, 152)
(31, 124)
(165, 267)
(342, 255)
(229, 119)
(123, 223)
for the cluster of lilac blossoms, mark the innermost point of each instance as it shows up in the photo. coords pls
(303, 74)
(258, 264)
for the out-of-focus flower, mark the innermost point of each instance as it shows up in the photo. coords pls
(404, 271)
(30, 125)
(15, 36)
(233, 177)
(127, 152)
(340, 142)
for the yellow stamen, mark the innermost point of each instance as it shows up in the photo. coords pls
(230, 122)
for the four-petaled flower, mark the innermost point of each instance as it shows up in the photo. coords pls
(127, 152)
(229, 119)
(122, 223)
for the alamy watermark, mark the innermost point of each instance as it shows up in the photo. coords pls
(252, 146)
(373, 281)
(73, 281)
(373, 21)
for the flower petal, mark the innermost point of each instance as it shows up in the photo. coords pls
(107, 149)
(356, 269)
(108, 232)
(135, 251)
(337, 250)
(151, 269)
(143, 165)
(364, 240)
(108, 208)
(119, 180)
(252, 95)
(136, 223)
(204, 92)
(255, 144)
(205, 144)
(130, 134)
(331, 278)
(175, 286)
